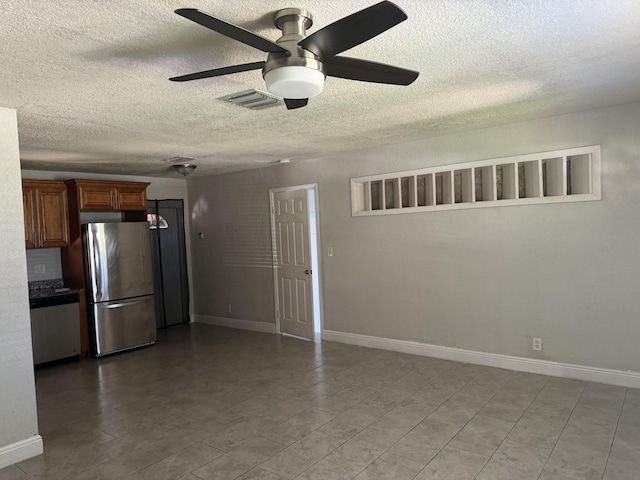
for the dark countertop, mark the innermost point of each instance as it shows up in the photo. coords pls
(51, 298)
(50, 292)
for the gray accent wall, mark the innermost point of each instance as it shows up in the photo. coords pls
(18, 416)
(485, 279)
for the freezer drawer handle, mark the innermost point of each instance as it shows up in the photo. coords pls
(125, 304)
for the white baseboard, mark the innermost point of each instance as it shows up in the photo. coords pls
(235, 323)
(545, 367)
(19, 451)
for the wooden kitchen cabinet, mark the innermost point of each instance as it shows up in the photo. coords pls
(30, 216)
(129, 198)
(46, 217)
(107, 196)
(97, 197)
(132, 197)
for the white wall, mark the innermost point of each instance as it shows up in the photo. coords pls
(159, 189)
(483, 279)
(18, 417)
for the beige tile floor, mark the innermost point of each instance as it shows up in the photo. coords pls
(211, 403)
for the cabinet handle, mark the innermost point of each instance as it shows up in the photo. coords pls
(41, 239)
(35, 239)
(113, 202)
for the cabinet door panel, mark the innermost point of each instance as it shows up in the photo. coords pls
(132, 197)
(30, 217)
(97, 197)
(53, 215)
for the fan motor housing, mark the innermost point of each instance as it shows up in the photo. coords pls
(293, 22)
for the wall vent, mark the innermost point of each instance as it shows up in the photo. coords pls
(571, 175)
(253, 99)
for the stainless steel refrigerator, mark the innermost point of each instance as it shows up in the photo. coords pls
(119, 280)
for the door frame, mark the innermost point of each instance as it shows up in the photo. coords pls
(317, 322)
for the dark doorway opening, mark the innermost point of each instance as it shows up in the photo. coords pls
(166, 222)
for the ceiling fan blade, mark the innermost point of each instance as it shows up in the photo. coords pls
(293, 103)
(216, 72)
(354, 29)
(366, 71)
(230, 30)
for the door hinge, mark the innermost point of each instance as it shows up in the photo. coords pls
(273, 209)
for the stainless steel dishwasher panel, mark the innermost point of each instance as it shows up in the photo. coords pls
(123, 324)
(55, 332)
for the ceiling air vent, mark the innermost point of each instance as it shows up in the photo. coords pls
(252, 99)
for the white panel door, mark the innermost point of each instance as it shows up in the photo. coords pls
(293, 263)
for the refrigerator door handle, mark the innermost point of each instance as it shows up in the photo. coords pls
(124, 304)
(95, 276)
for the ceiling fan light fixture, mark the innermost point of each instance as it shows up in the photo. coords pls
(184, 168)
(296, 64)
(295, 82)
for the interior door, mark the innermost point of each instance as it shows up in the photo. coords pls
(293, 263)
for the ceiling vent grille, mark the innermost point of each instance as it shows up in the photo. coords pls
(253, 99)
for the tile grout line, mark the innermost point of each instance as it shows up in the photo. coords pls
(563, 428)
(428, 383)
(615, 432)
(415, 426)
(316, 429)
(514, 425)
(474, 416)
(362, 469)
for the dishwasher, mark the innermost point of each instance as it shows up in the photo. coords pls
(55, 327)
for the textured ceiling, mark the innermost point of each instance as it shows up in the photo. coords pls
(89, 78)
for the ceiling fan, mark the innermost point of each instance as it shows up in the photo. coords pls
(297, 64)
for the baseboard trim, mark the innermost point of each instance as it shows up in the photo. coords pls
(532, 365)
(19, 451)
(235, 323)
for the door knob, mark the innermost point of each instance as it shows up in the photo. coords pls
(308, 272)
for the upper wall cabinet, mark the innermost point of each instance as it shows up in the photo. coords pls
(105, 196)
(46, 218)
(129, 198)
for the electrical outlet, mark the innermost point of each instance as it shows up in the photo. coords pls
(40, 268)
(537, 344)
(228, 308)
